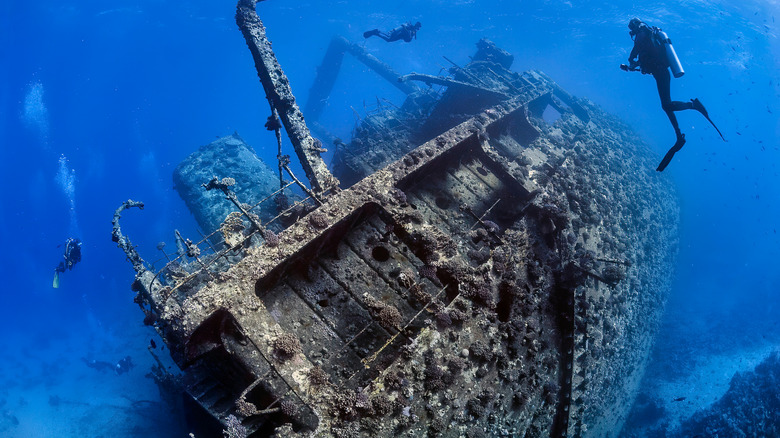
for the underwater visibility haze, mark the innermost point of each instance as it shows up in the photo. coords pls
(101, 102)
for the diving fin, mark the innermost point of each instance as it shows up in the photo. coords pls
(56, 282)
(668, 157)
(716, 128)
(698, 106)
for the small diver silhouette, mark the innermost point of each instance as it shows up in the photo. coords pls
(406, 32)
(72, 255)
(124, 365)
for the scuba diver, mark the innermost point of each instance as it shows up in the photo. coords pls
(405, 32)
(656, 56)
(123, 366)
(72, 256)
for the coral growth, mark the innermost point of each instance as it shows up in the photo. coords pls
(318, 220)
(271, 238)
(232, 229)
(288, 408)
(390, 317)
(613, 274)
(318, 376)
(286, 346)
(233, 428)
(387, 315)
(428, 272)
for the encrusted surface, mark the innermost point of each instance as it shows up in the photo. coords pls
(503, 278)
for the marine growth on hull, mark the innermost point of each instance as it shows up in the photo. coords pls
(483, 268)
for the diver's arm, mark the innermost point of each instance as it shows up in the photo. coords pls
(634, 53)
(632, 62)
(641, 40)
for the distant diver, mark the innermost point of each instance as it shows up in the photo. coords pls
(72, 255)
(99, 365)
(656, 56)
(406, 32)
(124, 365)
(119, 368)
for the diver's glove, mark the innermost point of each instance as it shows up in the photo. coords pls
(632, 66)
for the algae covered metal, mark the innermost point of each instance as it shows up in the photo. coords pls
(478, 271)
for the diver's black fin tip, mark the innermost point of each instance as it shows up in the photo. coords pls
(698, 106)
(668, 157)
(665, 162)
(716, 128)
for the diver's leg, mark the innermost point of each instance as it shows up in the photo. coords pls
(394, 35)
(663, 81)
(676, 105)
(384, 36)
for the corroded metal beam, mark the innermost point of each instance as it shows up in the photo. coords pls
(329, 69)
(280, 96)
(372, 62)
(452, 83)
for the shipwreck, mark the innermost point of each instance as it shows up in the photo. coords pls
(490, 258)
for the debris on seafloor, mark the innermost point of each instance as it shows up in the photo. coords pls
(473, 271)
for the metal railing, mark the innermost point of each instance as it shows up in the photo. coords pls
(196, 250)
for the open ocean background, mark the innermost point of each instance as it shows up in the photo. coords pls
(100, 101)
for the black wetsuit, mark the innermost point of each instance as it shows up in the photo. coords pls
(121, 367)
(406, 32)
(652, 60)
(72, 255)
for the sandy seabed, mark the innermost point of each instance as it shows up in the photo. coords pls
(708, 382)
(49, 391)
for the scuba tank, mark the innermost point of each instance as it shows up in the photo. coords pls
(662, 39)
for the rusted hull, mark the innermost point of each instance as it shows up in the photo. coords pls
(503, 278)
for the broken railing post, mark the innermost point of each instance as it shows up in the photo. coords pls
(280, 97)
(121, 240)
(273, 122)
(224, 185)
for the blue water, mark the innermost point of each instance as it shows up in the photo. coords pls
(99, 102)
